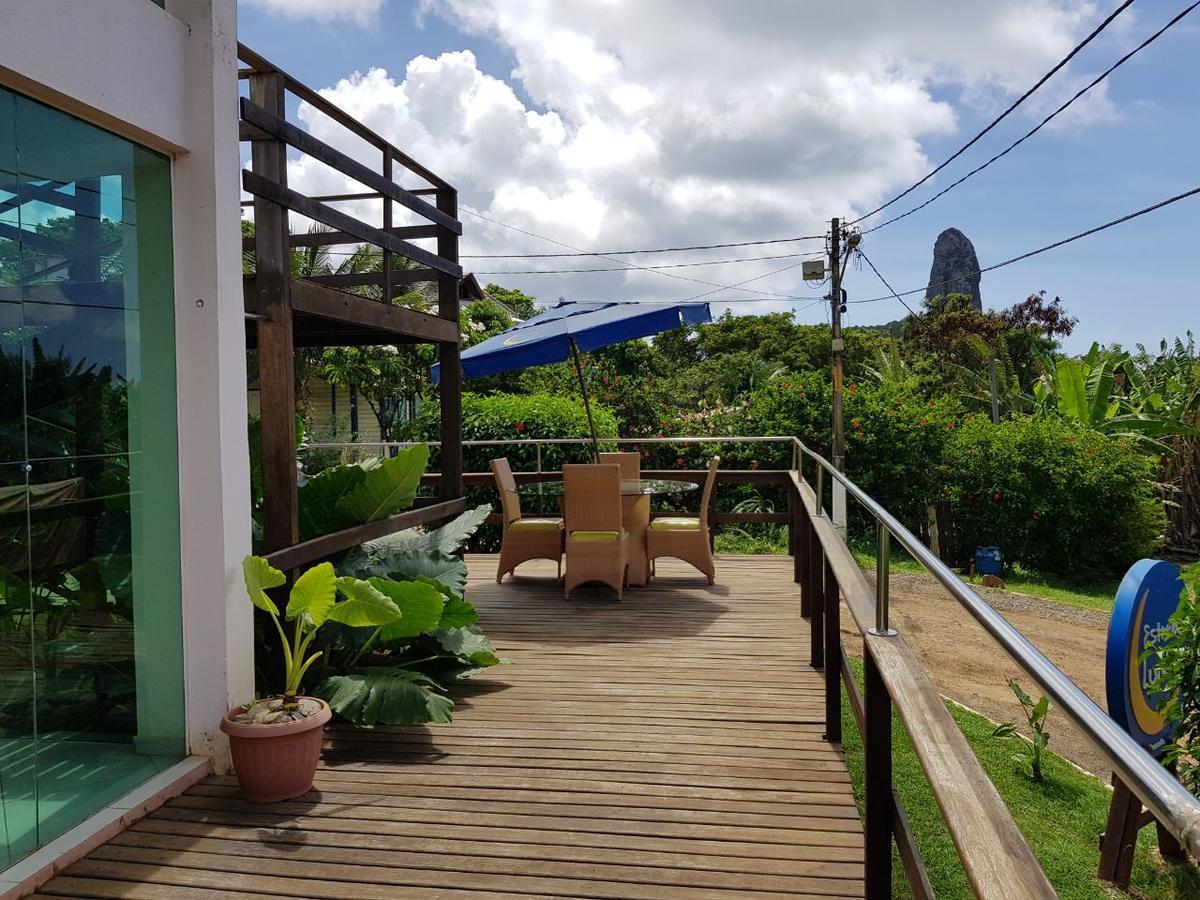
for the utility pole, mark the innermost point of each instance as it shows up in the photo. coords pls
(839, 346)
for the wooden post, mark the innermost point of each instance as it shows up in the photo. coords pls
(833, 657)
(276, 369)
(1125, 819)
(800, 529)
(877, 741)
(817, 622)
(448, 357)
(387, 226)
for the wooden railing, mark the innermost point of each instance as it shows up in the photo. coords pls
(994, 854)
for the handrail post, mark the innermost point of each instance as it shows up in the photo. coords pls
(882, 581)
(820, 488)
(833, 657)
(877, 743)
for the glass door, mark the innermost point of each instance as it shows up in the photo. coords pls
(91, 691)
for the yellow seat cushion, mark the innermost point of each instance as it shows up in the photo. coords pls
(535, 524)
(675, 523)
(593, 537)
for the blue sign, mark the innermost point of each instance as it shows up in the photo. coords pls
(1147, 597)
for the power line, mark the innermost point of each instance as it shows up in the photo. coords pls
(996, 121)
(711, 262)
(602, 253)
(1075, 237)
(629, 265)
(879, 275)
(1120, 62)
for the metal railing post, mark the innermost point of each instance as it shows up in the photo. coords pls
(883, 551)
(877, 743)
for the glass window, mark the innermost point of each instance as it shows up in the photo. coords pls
(91, 684)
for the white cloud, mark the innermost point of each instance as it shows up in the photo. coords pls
(694, 121)
(360, 12)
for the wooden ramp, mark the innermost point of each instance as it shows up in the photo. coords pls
(667, 746)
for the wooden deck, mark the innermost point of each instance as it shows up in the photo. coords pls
(667, 746)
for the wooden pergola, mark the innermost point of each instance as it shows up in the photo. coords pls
(285, 312)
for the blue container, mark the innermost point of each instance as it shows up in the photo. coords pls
(988, 561)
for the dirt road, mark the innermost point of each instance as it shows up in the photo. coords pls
(968, 666)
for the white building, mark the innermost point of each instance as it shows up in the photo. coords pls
(124, 484)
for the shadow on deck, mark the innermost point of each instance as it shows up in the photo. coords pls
(666, 746)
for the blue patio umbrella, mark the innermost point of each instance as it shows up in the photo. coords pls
(568, 327)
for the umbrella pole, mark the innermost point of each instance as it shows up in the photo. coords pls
(587, 405)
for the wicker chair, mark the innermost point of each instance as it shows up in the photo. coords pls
(630, 464)
(525, 537)
(596, 540)
(686, 537)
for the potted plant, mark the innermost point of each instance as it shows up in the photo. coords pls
(276, 741)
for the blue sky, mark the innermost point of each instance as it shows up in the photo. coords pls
(1134, 283)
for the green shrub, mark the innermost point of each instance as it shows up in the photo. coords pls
(1052, 497)
(895, 439)
(513, 417)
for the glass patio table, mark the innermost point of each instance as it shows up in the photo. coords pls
(648, 487)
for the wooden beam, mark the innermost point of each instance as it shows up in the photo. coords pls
(399, 276)
(274, 191)
(319, 548)
(338, 306)
(318, 149)
(332, 238)
(276, 371)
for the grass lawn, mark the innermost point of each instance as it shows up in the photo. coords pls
(1061, 818)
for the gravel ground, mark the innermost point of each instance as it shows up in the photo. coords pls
(969, 667)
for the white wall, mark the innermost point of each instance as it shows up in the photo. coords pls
(168, 79)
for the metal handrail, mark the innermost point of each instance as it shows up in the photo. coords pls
(1169, 801)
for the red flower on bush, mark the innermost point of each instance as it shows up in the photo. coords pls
(950, 425)
(520, 426)
(924, 421)
(786, 385)
(852, 388)
(1071, 439)
(645, 454)
(679, 460)
(1091, 452)
(970, 498)
(996, 497)
(803, 395)
(856, 424)
(1035, 517)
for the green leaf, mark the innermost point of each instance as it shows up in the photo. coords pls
(364, 606)
(469, 645)
(458, 613)
(260, 576)
(380, 696)
(313, 595)
(387, 488)
(1039, 711)
(447, 538)
(1072, 391)
(420, 607)
(439, 566)
(1007, 730)
(319, 500)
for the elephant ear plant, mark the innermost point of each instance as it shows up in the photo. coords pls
(313, 601)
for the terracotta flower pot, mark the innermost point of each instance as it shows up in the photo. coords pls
(276, 762)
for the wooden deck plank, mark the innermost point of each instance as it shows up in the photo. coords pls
(665, 746)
